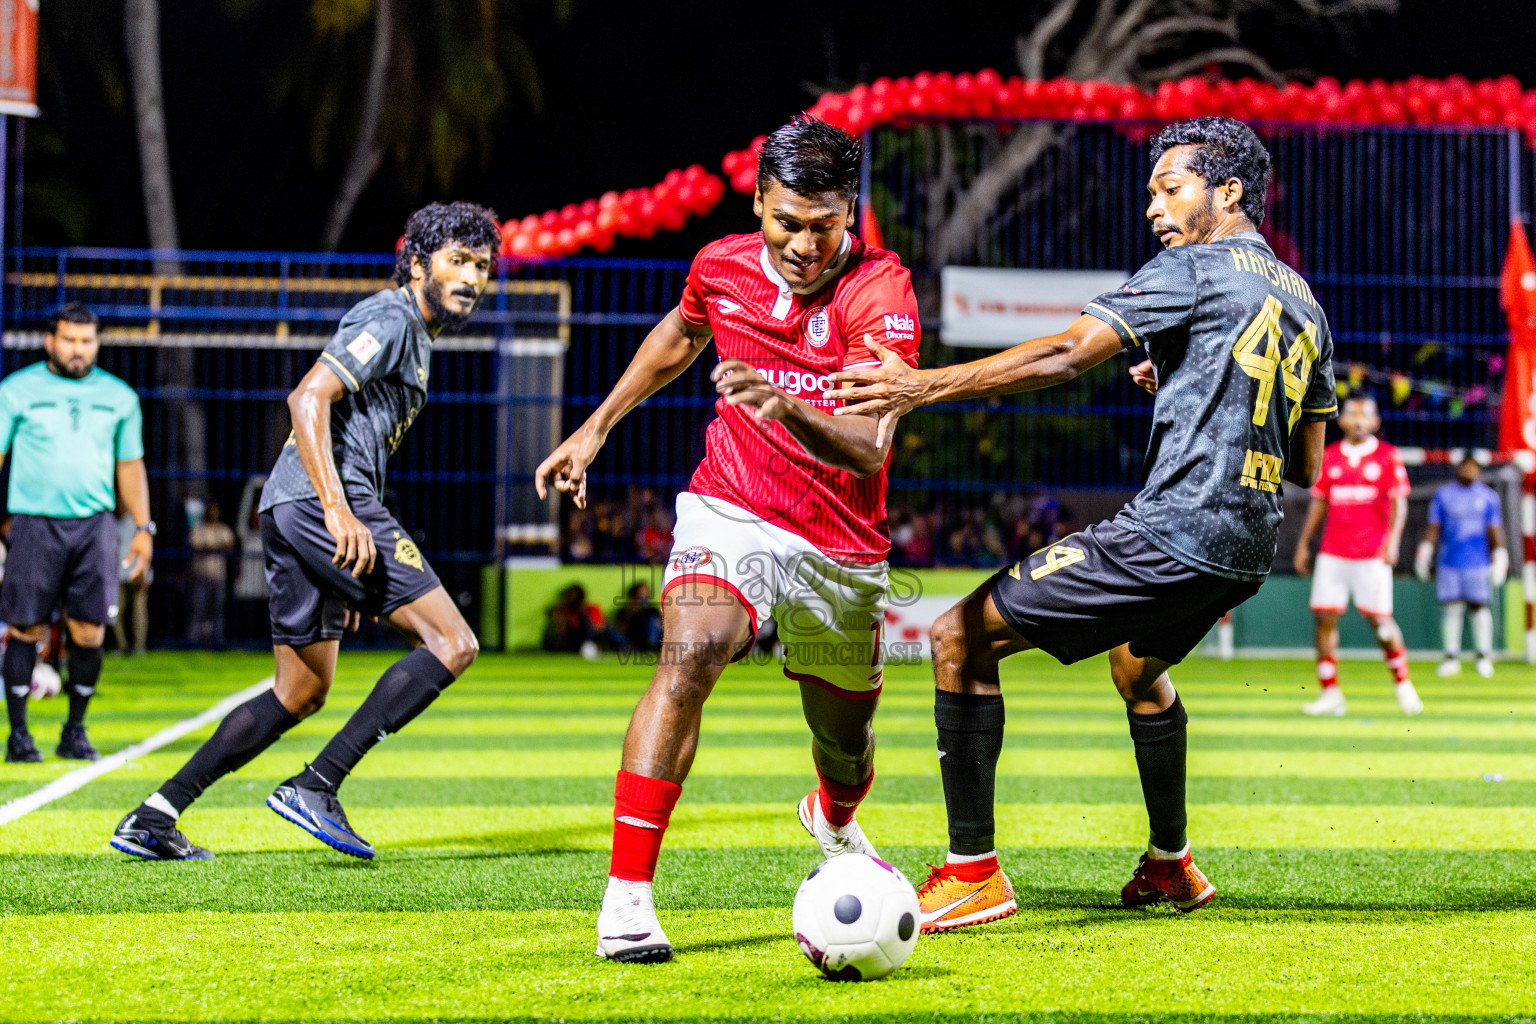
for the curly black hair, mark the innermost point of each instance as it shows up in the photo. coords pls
(432, 227)
(811, 158)
(1226, 149)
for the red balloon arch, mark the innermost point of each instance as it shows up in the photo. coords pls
(1453, 102)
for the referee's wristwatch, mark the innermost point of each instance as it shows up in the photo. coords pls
(148, 528)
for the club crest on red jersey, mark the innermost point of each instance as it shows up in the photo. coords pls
(690, 559)
(818, 329)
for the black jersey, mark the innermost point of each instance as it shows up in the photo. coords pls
(382, 352)
(1243, 354)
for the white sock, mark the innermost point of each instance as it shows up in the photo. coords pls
(1153, 853)
(1224, 638)
(968, 858)
(624, 886)
(1482, 631)
(1450, 626)
(156, 802)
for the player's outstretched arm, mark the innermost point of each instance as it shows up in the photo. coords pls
(666, 352)
(310, 407)
(856, 445)
(895, 387)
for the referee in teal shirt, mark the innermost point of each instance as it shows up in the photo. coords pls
(75, 438)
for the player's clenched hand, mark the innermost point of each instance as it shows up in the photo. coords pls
(1145, 376)
(739, 384)
(568, 464)
(355, 619)
(354, 541)
(1302, 563)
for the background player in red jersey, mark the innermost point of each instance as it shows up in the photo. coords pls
(784, 517)
(1363, 496)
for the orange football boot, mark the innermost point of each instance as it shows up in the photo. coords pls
(1177, 881)
(947, 901)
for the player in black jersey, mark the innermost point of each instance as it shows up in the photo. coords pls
(333, 551)
(1240, 359)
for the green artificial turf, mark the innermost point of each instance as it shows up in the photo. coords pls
(1371, 868)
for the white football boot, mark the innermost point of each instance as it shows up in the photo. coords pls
(1485, 667)
(1330, 702)
(834, 842)
(627, 929)
(1449, 666)
(1408, 698)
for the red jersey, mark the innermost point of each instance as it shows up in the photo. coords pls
(795, 341)
(1360, 485)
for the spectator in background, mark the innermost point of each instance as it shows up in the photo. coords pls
(212, 543)
(251, 575)
(132, 594)
(573, 624)
(637, 623)
(655, 538)
(581, 536)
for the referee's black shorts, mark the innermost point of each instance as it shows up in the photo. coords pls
(310, 595)
(1092, 591)
(53, 562)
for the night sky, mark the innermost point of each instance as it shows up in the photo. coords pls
(631, 90)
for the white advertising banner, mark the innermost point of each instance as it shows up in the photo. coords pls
(998, 308)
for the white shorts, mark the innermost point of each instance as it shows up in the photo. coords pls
(1367, 581)
(831, 614)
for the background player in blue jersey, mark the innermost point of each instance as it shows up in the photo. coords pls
(1466, 524)
(1244, 383)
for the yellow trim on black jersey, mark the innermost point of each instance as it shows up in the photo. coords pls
(338, 364)
(1331, 408)
(1134, 340)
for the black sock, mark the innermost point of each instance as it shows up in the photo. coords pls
(1161, 742)
(84, 671)
(245, 732)
(402, 692)
(970, 740)
(20, 660)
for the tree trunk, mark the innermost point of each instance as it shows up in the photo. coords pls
(142, 33)
(176, 367)
(367, 154)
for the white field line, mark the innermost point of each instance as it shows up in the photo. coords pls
(68, 783)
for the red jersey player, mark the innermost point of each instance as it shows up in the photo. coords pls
(1363, 495)
(786, 514)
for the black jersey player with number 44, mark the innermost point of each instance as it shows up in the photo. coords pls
(1240, 359)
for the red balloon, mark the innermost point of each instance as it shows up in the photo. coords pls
(672, 217)
(549, 220)
(522, 245)
(711, 190)
(665, 191)
(546, 241)
(584, 232)
(609, 200)
(988, 78)
(745, 180)
(529, 225)
(608, 219)
(565, 242)
(603, 241)
(879, 110)
(589, 209)
(687, 195)
(569, 214)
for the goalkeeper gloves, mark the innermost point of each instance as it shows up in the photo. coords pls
(1423, 560)
(1498, 570)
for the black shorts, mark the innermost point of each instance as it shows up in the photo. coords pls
(310, 595)
(72, 562)
(1092, 591)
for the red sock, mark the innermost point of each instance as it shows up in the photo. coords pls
(642, 808)
(974, 870)
(839, 801)
(1328, 672)
(1397, 662)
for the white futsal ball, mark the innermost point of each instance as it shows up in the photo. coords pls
(45, 682)
(856, 918)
